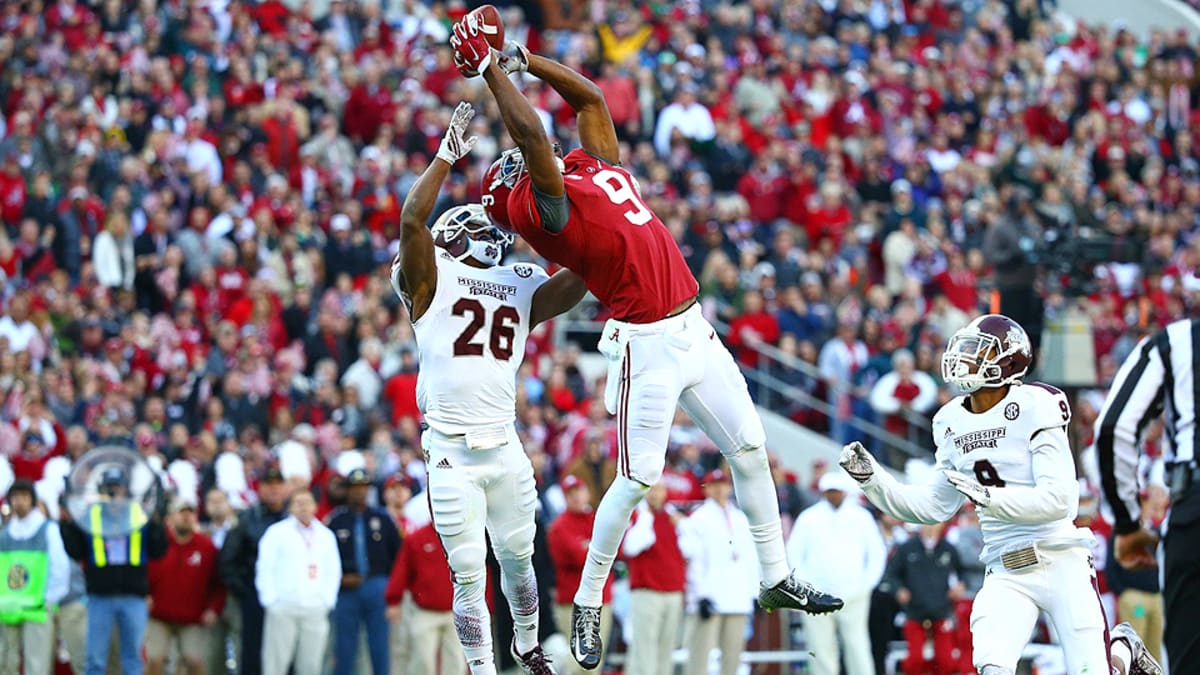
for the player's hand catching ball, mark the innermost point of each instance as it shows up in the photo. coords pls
(456, 144)
(514, 58)
(857, 462)
(1135, 550)
(969, 487)
(472, 53)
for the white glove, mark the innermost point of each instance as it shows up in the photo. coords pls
(857, 462)
(969, 487)
(455, 145)
(514, 58)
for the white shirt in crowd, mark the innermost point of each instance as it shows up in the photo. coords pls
(58, 578)
(838, 550)
(19, 335)
(883, 394)
(721, 558)
(693, 121)
(298, 567)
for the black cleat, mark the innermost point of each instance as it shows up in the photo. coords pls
(793, 594)
(1143, 663)
(585, 636)
(533, 663)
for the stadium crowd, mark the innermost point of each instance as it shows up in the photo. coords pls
(199, 199)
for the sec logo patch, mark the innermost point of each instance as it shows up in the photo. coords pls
(1012, 411)
(523, 271)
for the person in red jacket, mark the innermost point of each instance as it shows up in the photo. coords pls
(657, 575)
(186, 596)
(421, 569)
(568, 539)
(752, 329)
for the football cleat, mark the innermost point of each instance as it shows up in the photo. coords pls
(794, 594)
(534, 663)
(586, 642)
(1143, 663)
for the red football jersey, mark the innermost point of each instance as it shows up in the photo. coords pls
(622, 250)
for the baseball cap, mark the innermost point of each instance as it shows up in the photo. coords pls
(358, 477)
(835, 480)
(272, 474)
(181, 504)
(113, 475)
(570, 482)
(339, 222)
(715, 476)
(400, 479)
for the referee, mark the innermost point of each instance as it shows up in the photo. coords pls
(1159, 378)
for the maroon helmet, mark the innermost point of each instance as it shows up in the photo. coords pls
(991, 351)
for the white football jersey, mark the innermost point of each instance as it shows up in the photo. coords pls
(472, 341)
(1019, 449)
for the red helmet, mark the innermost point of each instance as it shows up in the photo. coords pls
(498, 183)
(991, 351)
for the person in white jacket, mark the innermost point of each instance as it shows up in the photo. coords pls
(298, 574)
(112, 253)
(722, 577)
(838, 546)
(30, 547)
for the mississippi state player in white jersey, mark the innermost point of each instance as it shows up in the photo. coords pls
(471, 319)
(1004, 446)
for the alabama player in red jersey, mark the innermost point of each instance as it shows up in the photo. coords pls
(583, 211)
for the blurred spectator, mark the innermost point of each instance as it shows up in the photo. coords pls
(595, 466)
(657, 577)
(836, 544)
(684, 118)
(297, 575)
(903, 392)
(226, 640)
(422, 571)
(186, 596)
(37, 569)
(112, 253)
(716, 541)
(924, 573)
(567, 540)
(115, 558)
(368, 543)
(239, 558)
(839, 360)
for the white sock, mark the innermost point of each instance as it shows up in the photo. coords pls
(755, 490)
(519, 584)
(473, 623)
(611, 520)
(1122, 656)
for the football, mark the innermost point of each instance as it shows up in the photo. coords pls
(489, 22)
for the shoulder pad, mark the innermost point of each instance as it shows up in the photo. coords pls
(1045, 406)
(942, 422)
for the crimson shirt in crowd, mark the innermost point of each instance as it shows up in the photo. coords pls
(422, 569)
(568, 539)
(184, 582)
(763, 323)
(661, 567)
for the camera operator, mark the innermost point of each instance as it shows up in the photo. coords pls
(1009, 246)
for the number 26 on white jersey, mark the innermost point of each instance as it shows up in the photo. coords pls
(620, 191)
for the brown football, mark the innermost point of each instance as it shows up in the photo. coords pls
(493, 28)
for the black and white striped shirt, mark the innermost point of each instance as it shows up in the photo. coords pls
(1158, 378)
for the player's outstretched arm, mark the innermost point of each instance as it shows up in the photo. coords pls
(527, 132)
(414, 272)
(933, 502)
(563, 291)
(597, 134)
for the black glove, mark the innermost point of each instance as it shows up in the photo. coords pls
(706, 609)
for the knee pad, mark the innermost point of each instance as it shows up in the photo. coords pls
(626, 491)
(749, 459)
(994, 670)
(466, 550)
(513, 540)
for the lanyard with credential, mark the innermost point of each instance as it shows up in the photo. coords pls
(307, 538)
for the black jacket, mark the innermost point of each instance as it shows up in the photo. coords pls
(926, 575)
(240, 552)
(115, 579)
(383, 540)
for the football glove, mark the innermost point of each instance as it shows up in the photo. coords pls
(857, 462)
(514, 58)
(472, 53)
(969, 487)
(456, 144)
